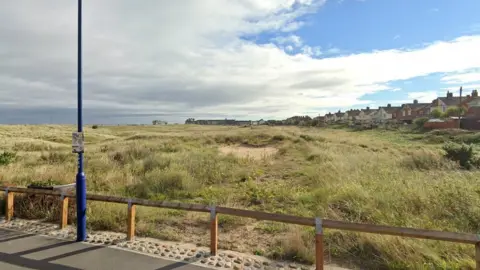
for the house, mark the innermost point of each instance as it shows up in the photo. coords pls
(443, 103)
(353, 114)
(258, 123)
(329, 117)
(365, 115)
(381, 115)
(472, 100)
(410, 111)
(391, 112)
(340, 116)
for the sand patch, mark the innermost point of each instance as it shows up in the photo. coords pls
(249, 152)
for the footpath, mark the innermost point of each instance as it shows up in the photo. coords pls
(28, 244)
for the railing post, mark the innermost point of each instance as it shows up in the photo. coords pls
(477, 255)
(8, 205)
(63, 211)
(131, 221)
(213, 231)
(318, 244)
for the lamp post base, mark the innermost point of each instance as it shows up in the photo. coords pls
(81, 207)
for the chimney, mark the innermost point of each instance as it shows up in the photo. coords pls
(389, 105)
(449, 95)
(474, 93)
(415, 101)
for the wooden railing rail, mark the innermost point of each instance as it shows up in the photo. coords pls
(318, 223)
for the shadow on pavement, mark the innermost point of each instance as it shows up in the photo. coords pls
(32, 264)
(42, 264)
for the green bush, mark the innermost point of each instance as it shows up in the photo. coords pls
(419, 122)
(7, 158)
(461, 153)
(94, 126)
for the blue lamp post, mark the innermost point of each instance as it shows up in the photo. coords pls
(81, 185)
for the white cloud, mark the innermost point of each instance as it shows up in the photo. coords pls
(187, 58)
(311, 51)
(396, 37)
(291, 39)
(462, 78)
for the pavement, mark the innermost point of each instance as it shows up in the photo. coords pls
(27, 251)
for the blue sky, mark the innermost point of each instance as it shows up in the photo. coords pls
(243, 59)
(354, 26)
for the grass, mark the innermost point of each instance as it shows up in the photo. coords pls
(386, 177)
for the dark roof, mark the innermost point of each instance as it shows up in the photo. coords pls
(391, 109)
(450, 101)
(416, 106)
(353, 113)
(329, 114)
(339, 114)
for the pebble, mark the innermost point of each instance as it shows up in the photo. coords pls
(224, 260)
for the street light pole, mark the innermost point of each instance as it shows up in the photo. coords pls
(81, 185)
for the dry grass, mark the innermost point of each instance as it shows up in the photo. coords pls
(374, 177)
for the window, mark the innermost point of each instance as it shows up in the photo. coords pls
(403, 113)
(409, 112)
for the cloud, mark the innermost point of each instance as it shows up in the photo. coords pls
(291, 39)
(396, 37)
(189, 58)
(472, 76)
(311, 51)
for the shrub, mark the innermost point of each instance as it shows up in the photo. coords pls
(7, 158)
(419, 122)
(426, 160)
(94, 126)
(461, 153)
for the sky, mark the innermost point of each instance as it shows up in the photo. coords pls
(243, 59)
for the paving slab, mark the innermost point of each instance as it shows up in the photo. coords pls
(20, 250)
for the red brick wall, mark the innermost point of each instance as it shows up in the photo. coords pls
(441, 125)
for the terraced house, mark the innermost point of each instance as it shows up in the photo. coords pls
(408, 112)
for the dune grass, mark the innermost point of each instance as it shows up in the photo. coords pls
(378, 177)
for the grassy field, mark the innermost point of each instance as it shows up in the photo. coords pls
(380, 177)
